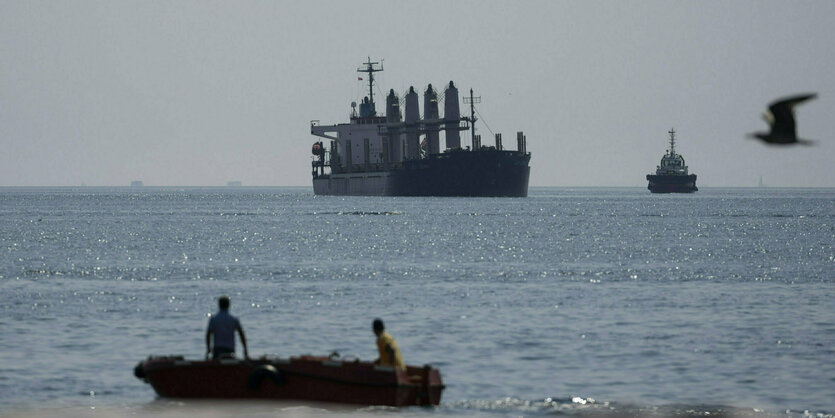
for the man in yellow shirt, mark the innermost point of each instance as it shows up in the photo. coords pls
(389, 352)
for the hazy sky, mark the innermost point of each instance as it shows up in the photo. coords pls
(198, 93)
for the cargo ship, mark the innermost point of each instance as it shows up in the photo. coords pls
(672, 176)
(389, 155)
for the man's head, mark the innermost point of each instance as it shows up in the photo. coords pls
(378, 326)
(223, 303)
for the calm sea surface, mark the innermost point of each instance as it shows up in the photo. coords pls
(571, 301)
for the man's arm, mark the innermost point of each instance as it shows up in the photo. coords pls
(385, 350)
(208, 342)
(379, 352)
(390, 352)
(243, 341)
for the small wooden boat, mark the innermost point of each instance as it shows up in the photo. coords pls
(325, 379)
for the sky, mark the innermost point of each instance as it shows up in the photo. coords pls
(199, 93)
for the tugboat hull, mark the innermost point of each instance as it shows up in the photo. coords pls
(483, 173)
(672, 184)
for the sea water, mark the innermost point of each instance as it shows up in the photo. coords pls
(571, 301)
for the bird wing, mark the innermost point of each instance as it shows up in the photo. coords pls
(768, 117)
(783, 111)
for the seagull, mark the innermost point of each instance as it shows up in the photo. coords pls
(780, 116)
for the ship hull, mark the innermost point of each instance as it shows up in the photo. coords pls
(672, 184)
(484, 173)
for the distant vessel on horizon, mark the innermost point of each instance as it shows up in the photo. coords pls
(136, 183)
(671, 176)
(234, 184)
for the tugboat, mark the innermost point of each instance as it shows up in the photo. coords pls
(672, 176)
(383, 155)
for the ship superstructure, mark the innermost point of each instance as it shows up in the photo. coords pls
(672, 176)
(399, 153)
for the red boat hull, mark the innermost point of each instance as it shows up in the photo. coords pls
(301, 378)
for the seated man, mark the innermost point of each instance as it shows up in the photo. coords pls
(223, 326)
(389, 352)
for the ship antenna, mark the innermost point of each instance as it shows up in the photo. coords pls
(472, 101)
(368, 67)
(672, 133)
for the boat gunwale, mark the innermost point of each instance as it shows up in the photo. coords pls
(158, 364)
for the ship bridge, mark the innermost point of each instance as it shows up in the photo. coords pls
(672, 163)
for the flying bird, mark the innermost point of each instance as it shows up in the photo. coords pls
(780, 116)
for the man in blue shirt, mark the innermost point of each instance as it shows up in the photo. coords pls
(223, 326)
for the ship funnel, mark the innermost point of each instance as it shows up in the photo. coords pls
(412, 111)
(521, 142)
(393, 118)
(392, 107)
(452, 116)
(430, 113)
(412, 118)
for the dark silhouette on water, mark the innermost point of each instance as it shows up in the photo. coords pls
(780, 116)
(223, 326)
(389, 351)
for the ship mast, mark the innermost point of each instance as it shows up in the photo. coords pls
(368, 67)
(672, 133)
(472, 101)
